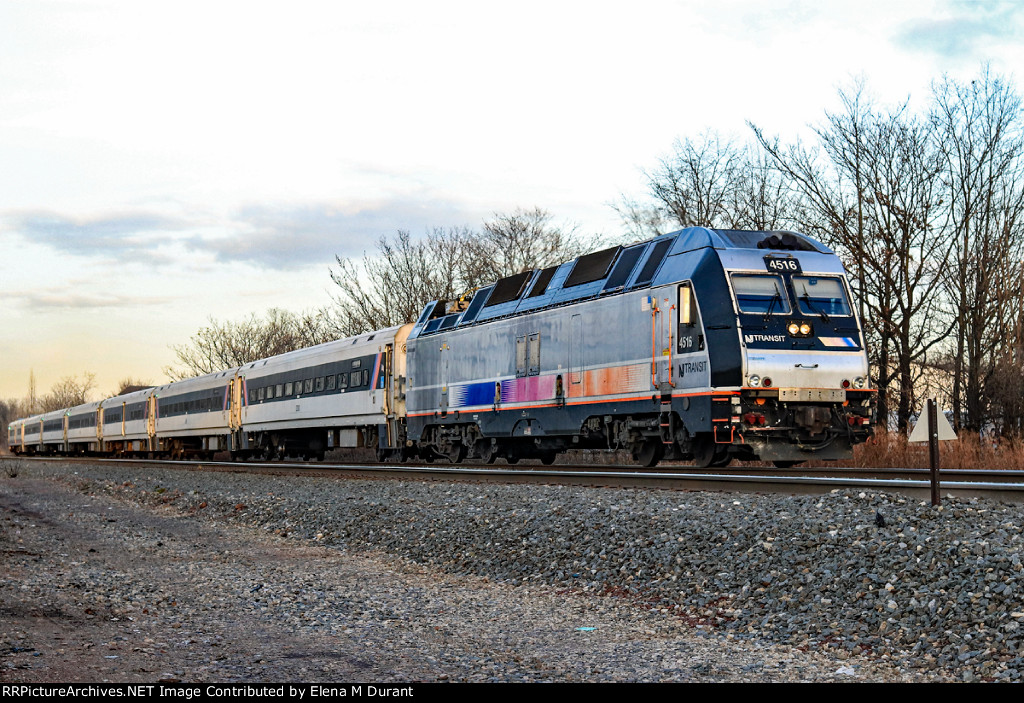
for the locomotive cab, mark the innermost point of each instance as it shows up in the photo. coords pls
(803, 390)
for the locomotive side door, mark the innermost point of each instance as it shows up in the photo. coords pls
(576, 386)
(663, 314)
(444, 380)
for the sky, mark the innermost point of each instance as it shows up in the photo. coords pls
(162, 164)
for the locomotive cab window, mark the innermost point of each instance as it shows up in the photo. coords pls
(760, 294)
(820, 295)
(687, 306)
(690, 335)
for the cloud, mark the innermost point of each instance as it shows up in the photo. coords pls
(121, 235)
(288, 236)
(297, 236)
(63, 299)
(964, 28)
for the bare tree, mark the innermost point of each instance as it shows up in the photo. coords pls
(641, 220)
(870, 192)
(392, 286)
(129, 384)
(68, 392)
(224, 345)
(979, 132)
(762, 199)
(695, 185)
(711, 182)
(521, 241)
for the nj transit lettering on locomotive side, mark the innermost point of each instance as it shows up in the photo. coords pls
(692, 367)
(748, 338)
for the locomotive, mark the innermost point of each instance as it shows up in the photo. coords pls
(704, 344)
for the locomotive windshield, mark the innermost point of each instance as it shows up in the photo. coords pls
(817, 296)
(760, 294)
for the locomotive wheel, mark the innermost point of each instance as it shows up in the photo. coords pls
(703, 451)
(548, 458)
(485, 449)
(650, 453)
(383, 455)
(785, 464)
(721, 459)
(456, 453)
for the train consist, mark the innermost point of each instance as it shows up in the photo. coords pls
(702, 344)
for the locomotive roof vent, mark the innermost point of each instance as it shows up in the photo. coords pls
(789, 241)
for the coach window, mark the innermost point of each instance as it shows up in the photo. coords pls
(366, 377)
(270, 392)
(307, 385)
(262, 394)
(252, 395)
(331, 381)
(342, 381)
(760, 294)
(279, 391)
(319, 383)
(288, 388)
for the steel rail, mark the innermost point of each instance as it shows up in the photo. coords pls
(750, 482)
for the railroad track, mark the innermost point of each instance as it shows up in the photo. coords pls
(994, 484)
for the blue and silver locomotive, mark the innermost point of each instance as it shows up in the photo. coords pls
(702, 344)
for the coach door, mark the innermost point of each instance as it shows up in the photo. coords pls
(151, 417)
(235, 403)
(389, 402)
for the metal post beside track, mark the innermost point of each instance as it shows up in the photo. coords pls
(933, 449)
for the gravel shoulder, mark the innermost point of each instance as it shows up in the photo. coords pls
(221, 577)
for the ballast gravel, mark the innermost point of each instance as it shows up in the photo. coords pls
(426, 581)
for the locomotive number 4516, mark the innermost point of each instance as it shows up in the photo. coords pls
(782, 265)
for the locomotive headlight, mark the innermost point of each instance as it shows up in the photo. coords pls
(805, 329)
(859, 382)
(754, 380)
(794, 329)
